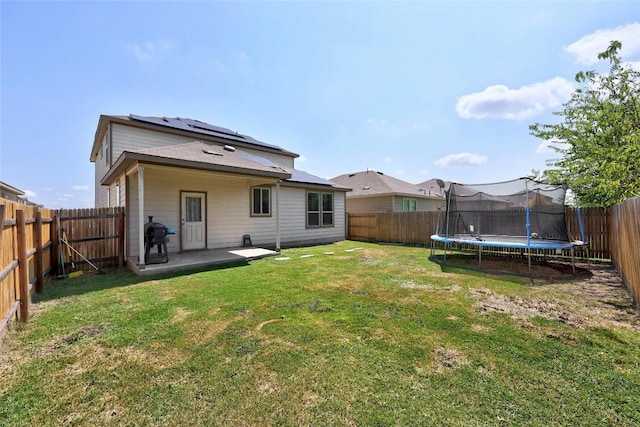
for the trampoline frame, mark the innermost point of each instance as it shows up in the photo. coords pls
(527, 242)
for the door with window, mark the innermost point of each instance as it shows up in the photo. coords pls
(193, 234)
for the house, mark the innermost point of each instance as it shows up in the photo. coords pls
(11, 193)
(373, 191)
(211, 185)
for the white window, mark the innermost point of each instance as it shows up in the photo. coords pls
(409, 205)
(261, 201)
(319, 209)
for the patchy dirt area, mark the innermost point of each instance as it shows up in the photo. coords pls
(595, 297)
(544, 270)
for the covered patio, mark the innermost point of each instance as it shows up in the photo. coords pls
(195, 259)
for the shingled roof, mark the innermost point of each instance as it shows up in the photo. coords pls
(183, 127)
(375, 183)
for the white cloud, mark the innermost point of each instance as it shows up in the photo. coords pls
(500, 102)
(399, 172)
(29, 193)
(388, 159)
(462, 159)
(586, 49)
(424, 172)
(302, 159)
(148, 51)
(67, 196)
(80, 187)
(546, 147)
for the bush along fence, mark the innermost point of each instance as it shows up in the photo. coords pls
(34, 252)
(625, 237)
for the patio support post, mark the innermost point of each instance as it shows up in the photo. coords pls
(140, 216)
(278, 216)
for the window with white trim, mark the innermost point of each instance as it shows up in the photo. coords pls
(409, 205)
(319, 209)
(261, 201)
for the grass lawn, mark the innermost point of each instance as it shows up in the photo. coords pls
(375, 336)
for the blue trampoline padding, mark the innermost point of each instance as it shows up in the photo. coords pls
(507, 242)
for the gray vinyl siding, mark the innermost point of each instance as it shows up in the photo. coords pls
(228, 210)
(293, 222)
(101, 192)
(421, 204)
(128, 138)
(228, 203)
(370, 204)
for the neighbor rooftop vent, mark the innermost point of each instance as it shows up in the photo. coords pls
(230, 148)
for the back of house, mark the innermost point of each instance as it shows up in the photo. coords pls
(210, 185)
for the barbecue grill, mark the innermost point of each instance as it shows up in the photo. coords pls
(155, 234)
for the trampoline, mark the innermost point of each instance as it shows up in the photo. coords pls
(522, 213)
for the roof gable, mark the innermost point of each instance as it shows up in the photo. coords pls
(374, 183)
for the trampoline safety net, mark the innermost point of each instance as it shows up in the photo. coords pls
(505, 209)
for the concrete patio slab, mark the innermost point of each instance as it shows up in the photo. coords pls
(196, 259)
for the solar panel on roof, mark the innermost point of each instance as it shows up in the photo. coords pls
(214, 129)
(202, 128)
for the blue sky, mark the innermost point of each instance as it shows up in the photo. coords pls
(414, 89)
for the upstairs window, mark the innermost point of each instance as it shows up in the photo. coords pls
(261, 201)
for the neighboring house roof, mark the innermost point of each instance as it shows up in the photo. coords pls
(8, 189)
(431, 186)
(374, 183)
(184, 127)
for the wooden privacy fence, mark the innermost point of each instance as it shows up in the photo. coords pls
(25, 261)
(98, 234)
(415, 228)
(32, 253)
(625, 238)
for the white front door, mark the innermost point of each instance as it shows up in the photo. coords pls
(193, 221)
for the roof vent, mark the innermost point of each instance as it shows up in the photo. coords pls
(230, 148)
(367, 187)
(215, 153)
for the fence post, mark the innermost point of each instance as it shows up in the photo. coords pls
(2, 208)
(55, 239)
(23, 268)
(38, 260)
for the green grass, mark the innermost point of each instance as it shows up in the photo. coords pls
(374, 337)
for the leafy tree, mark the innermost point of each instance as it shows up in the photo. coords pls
(599, 139)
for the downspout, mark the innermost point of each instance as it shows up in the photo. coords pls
(278, 216)
(528, 226)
